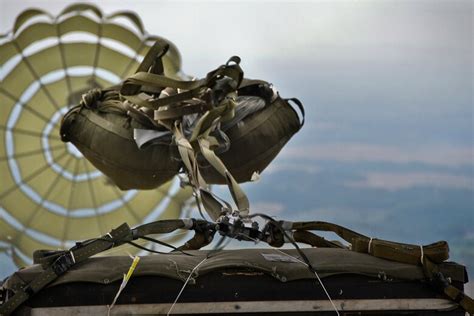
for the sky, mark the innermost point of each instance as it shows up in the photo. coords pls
(387, 148)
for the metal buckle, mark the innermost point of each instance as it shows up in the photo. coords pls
(63, 263)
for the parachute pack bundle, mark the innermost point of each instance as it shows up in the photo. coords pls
(224, 129)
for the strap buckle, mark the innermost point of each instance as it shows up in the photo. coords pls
(3, 295)
(63, 263)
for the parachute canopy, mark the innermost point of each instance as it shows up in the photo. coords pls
(50, 195)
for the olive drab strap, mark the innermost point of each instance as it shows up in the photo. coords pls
(428, 256)
(55, 263)
(442, 284)
(59, 262)
(213, 98)
(300, 107)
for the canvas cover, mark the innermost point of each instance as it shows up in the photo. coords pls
(327, 262)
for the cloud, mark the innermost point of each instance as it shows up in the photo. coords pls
(336, 214)
(397, 181)
(296, 167)
(270, 208)
(355, 152)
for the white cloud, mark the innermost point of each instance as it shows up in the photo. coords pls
(276, 167)
(397, 181)
(269, 208)
(356, 152)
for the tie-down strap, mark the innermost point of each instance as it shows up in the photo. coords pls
(428, 256)
(56, 263)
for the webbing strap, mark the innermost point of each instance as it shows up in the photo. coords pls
(408, 253)
(438, 280)
(154, 55)
(198, 241)
(345, 233)
(428, 255)
(155, 80)
(108, 125)
(178, 112)
(300, 107)
(63, 262)
(158, 227)
(460, 297)
(237, 193)
(56, 263)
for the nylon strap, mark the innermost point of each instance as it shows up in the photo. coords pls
(408, 253)
(158, 227)
(154, 55)
(432, 271)
(198, 241)
(345, 233)
(172, 108)
(429, 255)
(62, 263)
(300, 107)
(178, 112)
(237, 193)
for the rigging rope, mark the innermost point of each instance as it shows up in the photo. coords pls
(184, 285)
(312, 270)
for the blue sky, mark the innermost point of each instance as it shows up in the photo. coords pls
(388, 88)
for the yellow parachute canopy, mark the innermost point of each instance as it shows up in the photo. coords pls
(50, 196)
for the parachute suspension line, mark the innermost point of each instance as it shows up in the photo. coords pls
(185, 284)
(126, 246)
(220, 245)
(165, 244)
(145, 248)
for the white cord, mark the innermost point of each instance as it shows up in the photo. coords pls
(370, 244)
(140, 242)
(317, 276)
(315, 273)
(184, 285)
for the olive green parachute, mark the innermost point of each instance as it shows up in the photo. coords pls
(50, 195)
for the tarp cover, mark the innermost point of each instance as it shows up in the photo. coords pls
(270, 261)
